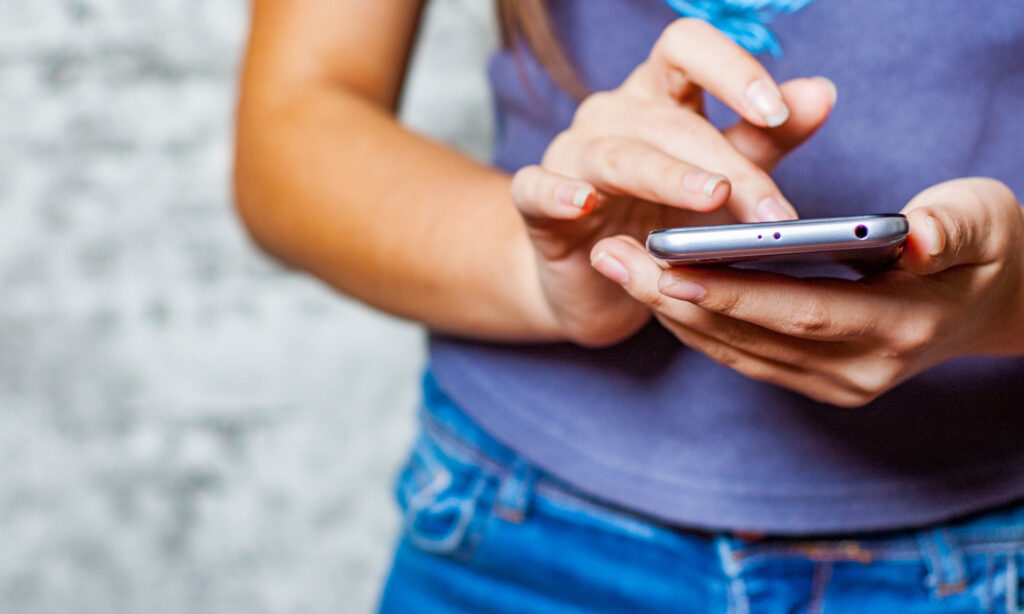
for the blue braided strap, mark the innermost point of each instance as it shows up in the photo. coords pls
(744, 21)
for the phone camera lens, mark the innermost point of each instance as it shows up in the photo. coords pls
(860, 231)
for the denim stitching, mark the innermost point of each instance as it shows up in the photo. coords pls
(1003, 548)
(453, 446)
(635, 527)
(466, 507)
(739, 603)
(955, 556)
(974, 541)
(515, 492)
(461, 451)
(896, 551)
(983, 535)
(987, 595)
(819, 584)
(1013, 604)
(945, 561)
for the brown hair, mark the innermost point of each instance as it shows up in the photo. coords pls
(529, 21)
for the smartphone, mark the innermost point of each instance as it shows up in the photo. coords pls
(864, 244)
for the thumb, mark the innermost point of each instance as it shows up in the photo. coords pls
(810, 101)
(953, 223)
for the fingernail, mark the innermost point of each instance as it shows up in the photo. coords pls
(610, 268)
(766, 99)
(772, 209)
(832, 91)
(574, 196)
(682, 289)
(934, 249)
(700, 182)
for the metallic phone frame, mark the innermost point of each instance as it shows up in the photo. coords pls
(862, 242)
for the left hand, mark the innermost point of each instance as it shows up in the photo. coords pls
(957, 291)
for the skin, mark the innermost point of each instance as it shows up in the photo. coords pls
(324, 175)
(430, 231)
(957, 292)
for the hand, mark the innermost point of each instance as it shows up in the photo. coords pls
(956, 292)
(643, 157)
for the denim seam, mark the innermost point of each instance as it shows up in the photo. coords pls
(608, 518)
(954, 557)
(460, 540)
(988, 596)
(896, 551)
(1013, 601)
(1012, 534)
(464, 452)
(944, 560)
(739, 602)
(461, 451)
(515, 492)
(819, 584)
(839, 551)
(1004, 548)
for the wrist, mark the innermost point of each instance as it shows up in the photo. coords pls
(537, 311)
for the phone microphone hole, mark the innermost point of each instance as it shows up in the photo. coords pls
(860, 231)
(777, 235)
(758, 236)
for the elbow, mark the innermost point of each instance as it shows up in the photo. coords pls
(247, 193)
(243, 194)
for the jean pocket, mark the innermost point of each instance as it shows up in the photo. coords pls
(1012, 586)
(443, 500)
(997, 580)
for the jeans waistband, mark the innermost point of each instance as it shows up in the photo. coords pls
(942, 545)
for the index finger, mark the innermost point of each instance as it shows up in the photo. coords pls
(691, 53)
(820, 309)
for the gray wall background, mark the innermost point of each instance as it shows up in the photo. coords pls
(184, 425)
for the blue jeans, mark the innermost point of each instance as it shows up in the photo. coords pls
(486, 532)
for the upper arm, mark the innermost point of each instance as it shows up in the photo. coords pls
(360, 45)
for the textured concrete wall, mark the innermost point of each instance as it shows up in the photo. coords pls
(184, 425)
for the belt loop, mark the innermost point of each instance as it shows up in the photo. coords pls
(945, 559)
(729, 559)
(515, 493)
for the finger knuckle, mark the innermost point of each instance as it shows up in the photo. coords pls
(681, 30)
(848, 400)
(609, 157)
(728, 357)
(1000, 191)
(736, 335)
(652, 299)
(725, 303)
(810, 317)
(751, 338)
(594, 108)
(561, 154)
(914, 336)
(870, 379)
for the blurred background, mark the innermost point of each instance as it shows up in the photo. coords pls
(186, 426)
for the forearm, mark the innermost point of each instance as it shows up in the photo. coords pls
(331, 183)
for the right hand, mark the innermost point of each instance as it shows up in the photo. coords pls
(644, 156)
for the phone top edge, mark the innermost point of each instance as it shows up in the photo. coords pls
(871, 232)
(787, 223)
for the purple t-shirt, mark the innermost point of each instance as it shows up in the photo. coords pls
(928, 91)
